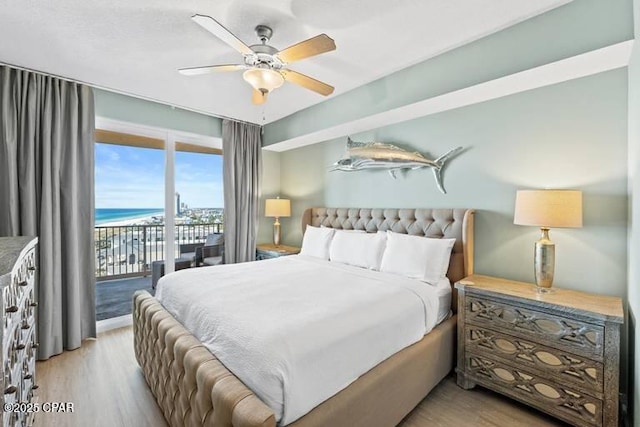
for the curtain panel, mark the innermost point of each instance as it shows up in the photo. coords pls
(47, 190)
(242, 169)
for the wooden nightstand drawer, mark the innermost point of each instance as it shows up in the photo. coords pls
(572, 335)
(564, 367)
(562, 401)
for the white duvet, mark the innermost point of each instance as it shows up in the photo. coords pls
(296, 330)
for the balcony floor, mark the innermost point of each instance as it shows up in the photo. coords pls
(114, 298)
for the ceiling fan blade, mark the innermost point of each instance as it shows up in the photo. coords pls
(215, 28)
(307, 82)
(310, 47)
(258, 97)
(211, 69)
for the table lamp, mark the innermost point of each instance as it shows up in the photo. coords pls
(277, 208)
(546, 209)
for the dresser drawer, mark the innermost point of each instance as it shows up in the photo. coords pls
(574, 336)
(563, 401)
(515, 351)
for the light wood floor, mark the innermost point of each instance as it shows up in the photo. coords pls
(103, 381)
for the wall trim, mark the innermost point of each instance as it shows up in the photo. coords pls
(114, 323)
(597, 61)
(121, 126)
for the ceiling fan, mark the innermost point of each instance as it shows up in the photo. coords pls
(264, 65)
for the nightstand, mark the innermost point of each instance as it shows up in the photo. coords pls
(268, 250)
(557, 352)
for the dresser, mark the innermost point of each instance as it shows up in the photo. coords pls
(558, 352)
(18, 269)
(267, 251)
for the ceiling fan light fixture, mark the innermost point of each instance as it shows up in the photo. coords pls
(263, 79)
(266, 66)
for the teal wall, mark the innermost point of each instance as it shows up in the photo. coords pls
(134, 110)
(571, 135)
(572, 29)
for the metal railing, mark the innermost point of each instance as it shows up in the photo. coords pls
(129, 250)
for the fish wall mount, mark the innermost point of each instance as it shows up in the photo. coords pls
(379, 155)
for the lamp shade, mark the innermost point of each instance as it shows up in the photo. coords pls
(549, 208)
(278, 208)
(263, 79)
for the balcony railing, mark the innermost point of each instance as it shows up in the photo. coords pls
(128, 251)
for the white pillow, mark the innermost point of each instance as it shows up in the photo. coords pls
(359, 249)
(417, 257)
(316, 242)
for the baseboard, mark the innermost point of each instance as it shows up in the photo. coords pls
(114, 323)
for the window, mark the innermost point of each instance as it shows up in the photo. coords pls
(156, 190)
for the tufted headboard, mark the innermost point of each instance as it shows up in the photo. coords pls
(435, 223)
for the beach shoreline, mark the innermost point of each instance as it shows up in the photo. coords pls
(147, 220)
(157, 217)
(125, 216)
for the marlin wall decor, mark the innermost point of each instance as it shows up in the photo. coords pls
(378, 155)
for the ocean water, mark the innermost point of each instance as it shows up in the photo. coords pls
(104, 215)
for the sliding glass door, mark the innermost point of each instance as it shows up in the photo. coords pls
(158, 196)
(129, 215)
(199, 198)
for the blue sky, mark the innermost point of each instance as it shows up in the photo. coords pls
(131, 177)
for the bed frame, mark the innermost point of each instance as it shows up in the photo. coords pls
(193, 388)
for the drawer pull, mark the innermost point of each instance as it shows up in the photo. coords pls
(23, 283)
(32, 268)
(12, 309)
(10, 390)
(28, 377)
(35, 387)
(34, 304)
(20, 347)
(35, 345)
(26, 326)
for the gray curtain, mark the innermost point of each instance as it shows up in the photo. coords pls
(242, 169)
(46, 175)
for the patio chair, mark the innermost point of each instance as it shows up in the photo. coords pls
(212, 252)
(188, 252)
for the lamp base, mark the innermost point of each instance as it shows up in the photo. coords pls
(544, 262)
(276, 232)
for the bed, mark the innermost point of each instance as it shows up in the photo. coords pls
(192, 387)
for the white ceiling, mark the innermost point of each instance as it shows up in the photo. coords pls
(135, 47)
